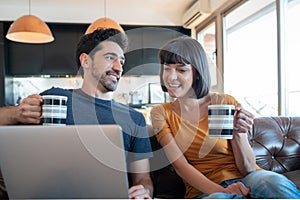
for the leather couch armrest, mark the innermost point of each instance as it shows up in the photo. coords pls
(276, 143)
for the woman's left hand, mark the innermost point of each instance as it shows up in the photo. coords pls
(243, 121)
(139, 192)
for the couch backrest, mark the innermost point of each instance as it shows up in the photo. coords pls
(276, 143)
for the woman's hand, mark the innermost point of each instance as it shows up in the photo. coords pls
(243, 120)
(237, 188)
(139, 192)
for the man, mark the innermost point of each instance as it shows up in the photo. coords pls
(100, 57)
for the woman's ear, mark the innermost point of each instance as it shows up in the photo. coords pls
(84, 60)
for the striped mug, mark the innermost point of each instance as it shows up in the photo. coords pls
(220, 121)
(54, 110)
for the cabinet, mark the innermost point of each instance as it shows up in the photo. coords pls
(24, 59)
(58, 57)
(144, 44)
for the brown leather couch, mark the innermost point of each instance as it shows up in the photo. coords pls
(275, 142)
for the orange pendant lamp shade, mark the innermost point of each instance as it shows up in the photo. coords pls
(29, 29)
(103, 23)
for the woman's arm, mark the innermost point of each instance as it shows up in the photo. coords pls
(243, 154)
(185, 170)
(142, 184)
(191, 174)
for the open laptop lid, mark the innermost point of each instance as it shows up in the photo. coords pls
(82, 161)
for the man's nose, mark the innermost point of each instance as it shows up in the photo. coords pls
(117, 65)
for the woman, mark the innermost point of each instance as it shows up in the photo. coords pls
(210, 168)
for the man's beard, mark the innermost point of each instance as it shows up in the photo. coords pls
(105, 81)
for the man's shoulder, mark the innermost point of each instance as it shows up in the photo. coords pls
(57, 91)
(125, 107)
(128, 112)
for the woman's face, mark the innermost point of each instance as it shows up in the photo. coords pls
(178, 79)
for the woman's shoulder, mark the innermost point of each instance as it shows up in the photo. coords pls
(217, 98)
(163, 106)
(161, 110)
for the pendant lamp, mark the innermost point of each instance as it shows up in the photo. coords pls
(103, 23)
(29, 29)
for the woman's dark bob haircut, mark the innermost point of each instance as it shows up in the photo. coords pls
(186, 50)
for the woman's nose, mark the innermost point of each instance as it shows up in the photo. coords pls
(173, 74)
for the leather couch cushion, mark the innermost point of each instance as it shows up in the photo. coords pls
(294, 176)
(276, 143)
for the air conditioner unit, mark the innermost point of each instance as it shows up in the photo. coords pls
(199, 11)
(191, 15)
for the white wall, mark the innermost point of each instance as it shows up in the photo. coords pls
(130, 12)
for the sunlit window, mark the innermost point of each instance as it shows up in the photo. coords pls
(292, 57)
(207, 38)
(250, 56)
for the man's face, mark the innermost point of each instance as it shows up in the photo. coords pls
(107, 66)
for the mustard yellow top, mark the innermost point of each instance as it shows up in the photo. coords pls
(212, 157)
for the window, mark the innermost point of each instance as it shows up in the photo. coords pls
(207, 38)
(292, 57)
(250, 56)
(258, 59)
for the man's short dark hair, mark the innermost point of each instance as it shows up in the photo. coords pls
(89, 43)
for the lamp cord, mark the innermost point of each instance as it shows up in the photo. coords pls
(105, 8)
(29, 7)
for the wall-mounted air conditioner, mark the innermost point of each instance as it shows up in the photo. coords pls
(199, 11)
(191, 15)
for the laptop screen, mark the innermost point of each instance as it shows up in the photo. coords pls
(78, 161)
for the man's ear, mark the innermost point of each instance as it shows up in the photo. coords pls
(84, 60)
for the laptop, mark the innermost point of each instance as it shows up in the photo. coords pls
(76, 161)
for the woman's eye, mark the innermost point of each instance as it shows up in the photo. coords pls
(182, 70)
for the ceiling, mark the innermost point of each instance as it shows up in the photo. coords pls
(130, 12)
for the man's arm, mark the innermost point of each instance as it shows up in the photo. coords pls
(142, 184)
(28, 112)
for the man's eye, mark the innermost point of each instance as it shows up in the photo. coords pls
(122, 62)
(110, 58)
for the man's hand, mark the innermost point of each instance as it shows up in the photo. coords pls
(138, 192)
(30, 111)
